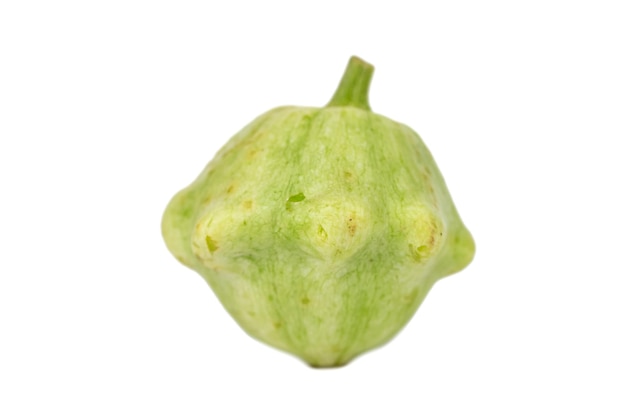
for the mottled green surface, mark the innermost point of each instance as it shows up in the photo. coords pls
(321, 230)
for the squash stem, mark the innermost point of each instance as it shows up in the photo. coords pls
(354, 86)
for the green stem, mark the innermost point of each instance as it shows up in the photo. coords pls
(354, 86)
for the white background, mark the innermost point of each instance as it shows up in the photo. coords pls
(107, 108)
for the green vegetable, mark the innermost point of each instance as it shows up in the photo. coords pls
(321, 230)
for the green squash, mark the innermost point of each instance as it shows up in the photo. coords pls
(321, 230)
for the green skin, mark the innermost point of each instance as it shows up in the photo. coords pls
(321, 230)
